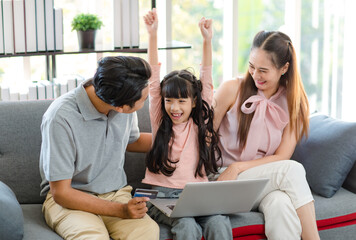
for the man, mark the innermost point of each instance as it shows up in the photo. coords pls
(84, 137)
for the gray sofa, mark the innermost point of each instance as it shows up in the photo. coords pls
(20, 142)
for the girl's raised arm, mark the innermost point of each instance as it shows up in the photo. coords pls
(151, 22)
(206, 29)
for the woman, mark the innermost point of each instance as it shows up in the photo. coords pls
(260, 120)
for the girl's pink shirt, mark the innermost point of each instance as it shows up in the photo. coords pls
(265, 134)
(185, 146)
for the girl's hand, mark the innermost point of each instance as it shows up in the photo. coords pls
(230, 173)
(151, 21)
(206, 28)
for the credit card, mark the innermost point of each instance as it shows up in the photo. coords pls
(150, 193)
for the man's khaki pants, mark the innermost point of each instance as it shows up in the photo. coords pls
(75, 224)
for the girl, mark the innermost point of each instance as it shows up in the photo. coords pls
(260, 119)
(184, 139)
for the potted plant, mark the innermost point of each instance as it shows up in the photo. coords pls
(86, 25)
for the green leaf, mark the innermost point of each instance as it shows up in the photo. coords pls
(86, 21)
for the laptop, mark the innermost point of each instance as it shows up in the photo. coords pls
(210, 198)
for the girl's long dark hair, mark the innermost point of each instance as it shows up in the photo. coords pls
(183, 84)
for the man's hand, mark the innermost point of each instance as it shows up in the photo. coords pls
(135, 208)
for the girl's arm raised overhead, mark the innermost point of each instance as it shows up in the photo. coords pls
(151, 22)
(206, 29)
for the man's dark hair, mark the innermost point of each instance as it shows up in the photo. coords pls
(120, 80)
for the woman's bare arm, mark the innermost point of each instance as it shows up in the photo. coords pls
(283, 152)
(224, 99)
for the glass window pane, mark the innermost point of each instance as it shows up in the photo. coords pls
(85, 64)
(185, 17)
(254, 16)
(20, 71)
(323, 56)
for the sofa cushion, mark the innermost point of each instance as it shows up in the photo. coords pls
(11, 217)
(336, 216)
(35, 225)
(338, 211)
(20, 144)
(135, 162)
(327, 154)
(350, 182)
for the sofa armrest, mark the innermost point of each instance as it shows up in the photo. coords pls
(11, 217)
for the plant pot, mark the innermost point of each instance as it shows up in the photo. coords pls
(86, 39)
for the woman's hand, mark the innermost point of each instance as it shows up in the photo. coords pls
(230, 173)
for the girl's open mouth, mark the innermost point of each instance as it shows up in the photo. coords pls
(176, 115)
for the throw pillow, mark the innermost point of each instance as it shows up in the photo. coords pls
(350, 182)
(11, 217)
(327, 154)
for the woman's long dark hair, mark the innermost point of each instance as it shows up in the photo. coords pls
(183, 84)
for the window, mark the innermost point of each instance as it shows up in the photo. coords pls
(326, 56)
(321, 30)
(185, 16)
(85, 64)
(18, 72)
